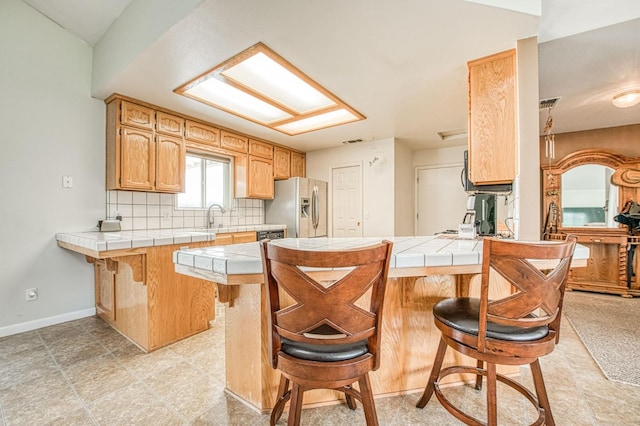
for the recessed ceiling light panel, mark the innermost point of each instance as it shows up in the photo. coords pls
(262, 87)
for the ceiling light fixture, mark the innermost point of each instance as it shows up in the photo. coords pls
(627, 99)
(261, 86)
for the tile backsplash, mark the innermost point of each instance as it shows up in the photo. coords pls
(152, 210)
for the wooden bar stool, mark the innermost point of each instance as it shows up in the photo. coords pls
(326, 335)
(515, 330)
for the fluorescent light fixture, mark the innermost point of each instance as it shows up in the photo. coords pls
(260, 86)
(322, 121)
(627, 99)
(453, 134)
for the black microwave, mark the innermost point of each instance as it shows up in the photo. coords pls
(472, 187)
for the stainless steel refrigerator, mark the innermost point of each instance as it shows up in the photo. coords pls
(301, 204)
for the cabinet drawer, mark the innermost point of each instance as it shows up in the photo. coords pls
(233, 142)
(595, 239)
(137, 115)
(169, 124)
(202, 133)
(260, 149)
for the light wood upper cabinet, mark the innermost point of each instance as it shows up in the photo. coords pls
(297, 164)
(260, 149)
(233, 142)
(492, 118)
(170, 163)
(146, 151)
(137, 116)
(260, 178)
(198, 132)
(169, 124)
(281, 163)
(145, 148)
(137, 159)
(253, 177)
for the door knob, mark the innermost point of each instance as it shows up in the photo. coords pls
(358, 224)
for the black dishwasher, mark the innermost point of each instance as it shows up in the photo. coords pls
(270, 235)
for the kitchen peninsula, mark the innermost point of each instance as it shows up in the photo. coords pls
(423, 270)
(137, 290)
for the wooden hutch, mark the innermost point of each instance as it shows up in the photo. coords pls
(608, 268)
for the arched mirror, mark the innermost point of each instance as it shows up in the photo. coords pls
(589, 199)
(582, 191)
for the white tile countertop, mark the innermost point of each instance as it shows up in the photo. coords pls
(408, 252)
(104, 241)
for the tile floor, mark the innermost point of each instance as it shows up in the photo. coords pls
(84, 373)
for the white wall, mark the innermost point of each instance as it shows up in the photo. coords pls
(137, 28)
(377, 182)
(526, 192)
(50, 127)
(440, 156)
(404, 191)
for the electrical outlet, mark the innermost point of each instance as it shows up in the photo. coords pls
(31, 295)
(67, 181)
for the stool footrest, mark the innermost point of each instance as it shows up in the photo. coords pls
(466, 418)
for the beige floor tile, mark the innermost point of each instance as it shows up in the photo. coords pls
(133, 405)
(144, 365)
(44, 410)
(35, 390)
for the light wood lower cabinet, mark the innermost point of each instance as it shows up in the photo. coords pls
(105, 280)
(235, 238)
(141, 296)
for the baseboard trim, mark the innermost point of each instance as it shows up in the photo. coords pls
(10, 330)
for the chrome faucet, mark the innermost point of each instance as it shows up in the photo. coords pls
(210, 218)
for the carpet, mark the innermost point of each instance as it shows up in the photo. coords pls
(609, 326)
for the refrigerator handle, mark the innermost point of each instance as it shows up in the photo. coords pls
(314, 208)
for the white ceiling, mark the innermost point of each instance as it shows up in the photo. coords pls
(400, 63)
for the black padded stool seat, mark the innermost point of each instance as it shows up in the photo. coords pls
(324, 353)
(515, 329)
(463, 313)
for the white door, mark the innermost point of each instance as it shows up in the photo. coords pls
(346, 189)
(441, 200)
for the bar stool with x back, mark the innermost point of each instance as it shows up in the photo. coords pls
(325, 330)
(515, 330)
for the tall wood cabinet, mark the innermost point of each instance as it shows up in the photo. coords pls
(493, 118)
(145, 148)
